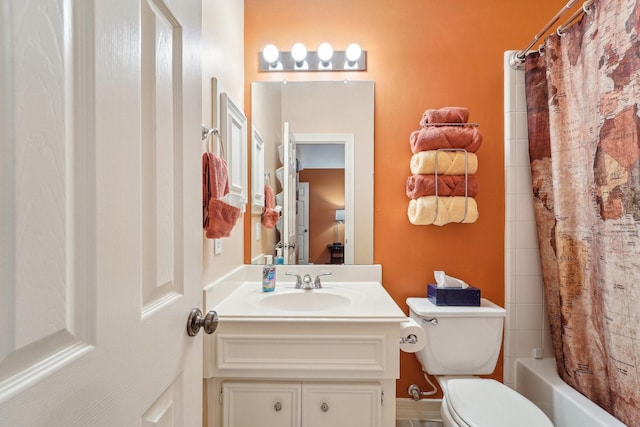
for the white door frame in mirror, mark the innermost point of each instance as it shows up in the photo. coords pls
(346, 139)
(233, 132)
(257, 171)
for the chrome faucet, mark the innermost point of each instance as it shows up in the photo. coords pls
(316, 283)
(305, 282)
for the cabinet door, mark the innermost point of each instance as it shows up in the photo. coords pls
(261, 404)
(341, 405)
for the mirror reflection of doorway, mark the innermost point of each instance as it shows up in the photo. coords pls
(323, 169)
(303, 222)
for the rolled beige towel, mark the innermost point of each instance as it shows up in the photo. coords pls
(449, 163)
(422, 211)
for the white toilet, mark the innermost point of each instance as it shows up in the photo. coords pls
(462, 342)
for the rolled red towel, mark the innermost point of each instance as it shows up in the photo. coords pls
(435, 137)
(445, 115)
(448, 185)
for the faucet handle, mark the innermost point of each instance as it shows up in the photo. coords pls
(317, 282)
(298, 279)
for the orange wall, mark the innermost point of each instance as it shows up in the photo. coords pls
(325, 196)
(421, 54)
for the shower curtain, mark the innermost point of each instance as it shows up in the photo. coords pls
(582, 92)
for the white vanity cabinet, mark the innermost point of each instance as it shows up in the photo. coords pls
(302, 373)
(322, 357)
(286, 404)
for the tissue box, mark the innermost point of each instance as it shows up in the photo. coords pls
(453, 296)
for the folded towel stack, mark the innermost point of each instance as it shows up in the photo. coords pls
(443, 185)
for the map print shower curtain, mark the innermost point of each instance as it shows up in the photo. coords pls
(583, 92)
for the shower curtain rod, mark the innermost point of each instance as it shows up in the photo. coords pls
(518, 58)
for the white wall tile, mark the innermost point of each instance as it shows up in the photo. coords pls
(521, 125)
(524, 208)
(529, 290)
(529, 317)
(523, 180)
(522, 152)
(526, 341)
(526, 235)
(527, 262)
(526, 325)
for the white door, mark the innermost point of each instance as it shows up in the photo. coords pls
(289, 238)
(100, 241)
(303, 223)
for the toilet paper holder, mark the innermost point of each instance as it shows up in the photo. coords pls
(409, 339)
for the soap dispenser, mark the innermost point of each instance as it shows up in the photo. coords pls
(279, 260)
(268, 275)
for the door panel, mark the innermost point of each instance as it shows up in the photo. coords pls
(101, 244)
(289, 232)
(303, 223)
(161, 171)
(47, 310)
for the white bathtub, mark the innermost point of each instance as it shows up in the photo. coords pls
(538, 380)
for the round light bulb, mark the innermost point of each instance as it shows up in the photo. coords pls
(353, 52)
(298, 52)
(325, 52)
(271, 54)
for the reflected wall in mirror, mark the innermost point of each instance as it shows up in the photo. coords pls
(331, 125)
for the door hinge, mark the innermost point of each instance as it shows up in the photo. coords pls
(220, 396)
(382, 398)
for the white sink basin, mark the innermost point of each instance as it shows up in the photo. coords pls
(305, 300)
(335, 300)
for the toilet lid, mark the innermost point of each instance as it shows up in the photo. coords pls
(483, 402)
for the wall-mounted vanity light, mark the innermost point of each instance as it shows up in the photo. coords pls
(323, 59)
(271, 57)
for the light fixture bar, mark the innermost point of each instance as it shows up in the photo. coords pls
(338, 62)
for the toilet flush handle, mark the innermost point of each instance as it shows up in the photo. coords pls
(432, 320)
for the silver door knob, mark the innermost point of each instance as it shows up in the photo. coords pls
(196, 321)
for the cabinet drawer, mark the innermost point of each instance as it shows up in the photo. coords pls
(347, 356)
(261, 404)
(341, 405)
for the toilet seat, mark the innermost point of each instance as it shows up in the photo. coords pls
(489, 403)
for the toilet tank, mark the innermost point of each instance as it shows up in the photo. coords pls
(459, 340)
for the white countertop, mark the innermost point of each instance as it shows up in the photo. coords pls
(361, 301)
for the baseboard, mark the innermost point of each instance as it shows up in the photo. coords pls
(424, 409)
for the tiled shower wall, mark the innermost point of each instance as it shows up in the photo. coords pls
(526, 325)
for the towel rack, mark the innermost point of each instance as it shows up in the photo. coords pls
(207, 131)
(206, 135)
(452, 124)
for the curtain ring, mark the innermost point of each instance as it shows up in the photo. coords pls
(560, 31)
(542, 47)
(586, 6)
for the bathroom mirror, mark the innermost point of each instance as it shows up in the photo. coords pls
(330, 124)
